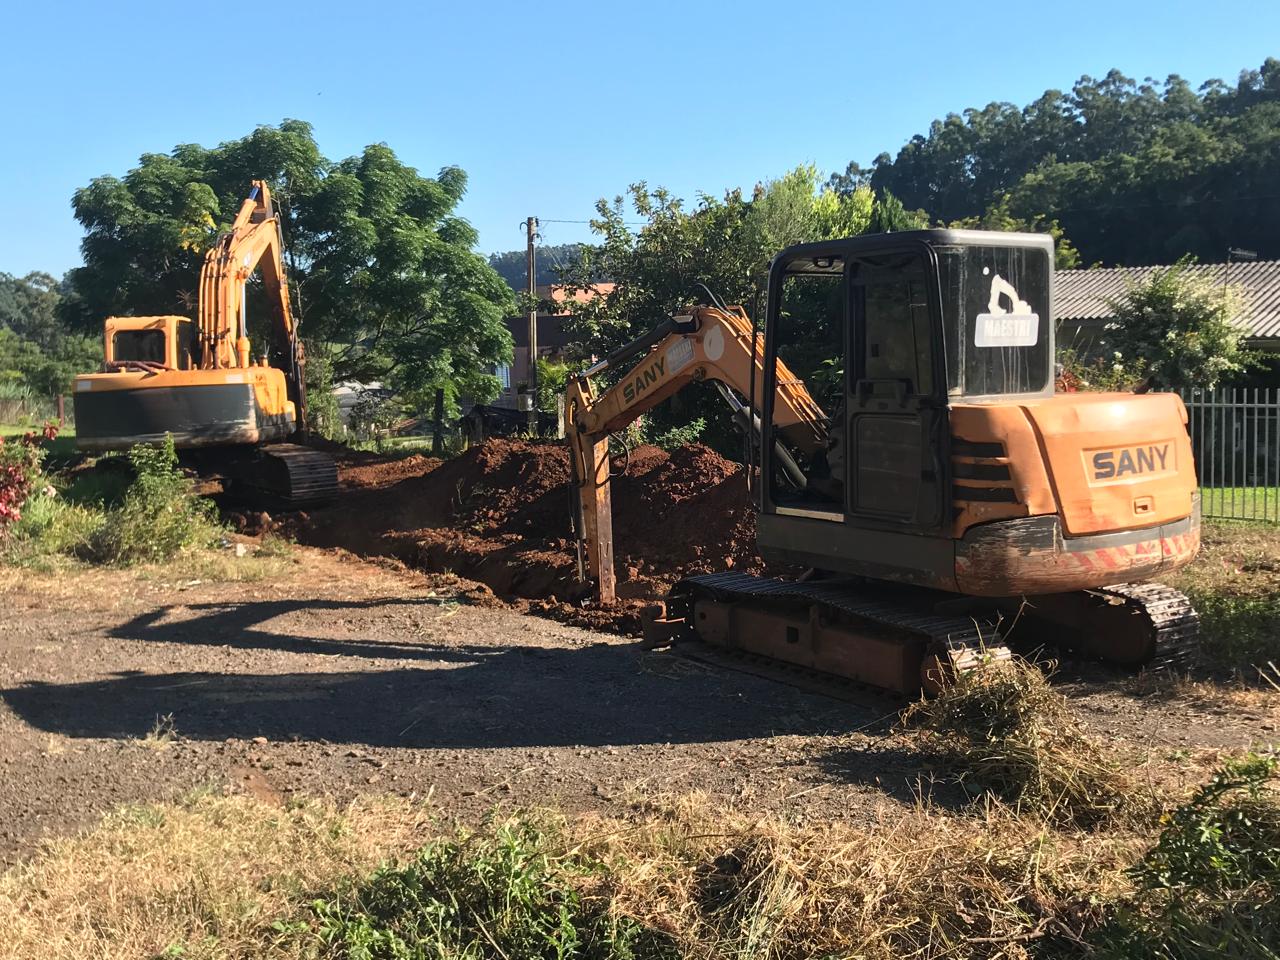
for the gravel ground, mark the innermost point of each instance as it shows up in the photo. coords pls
(341, 677)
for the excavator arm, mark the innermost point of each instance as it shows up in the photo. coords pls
(701, 344)
(253, 243)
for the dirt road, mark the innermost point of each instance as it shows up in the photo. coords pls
(342, 677)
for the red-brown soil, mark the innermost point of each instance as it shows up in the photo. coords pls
(500, 514)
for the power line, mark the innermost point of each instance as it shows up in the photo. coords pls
(626, 223)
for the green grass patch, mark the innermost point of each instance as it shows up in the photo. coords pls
(516, 892)
(1237, 630)
(1241, 503)
(1235, 586)
(61, 448)
(1210, 885)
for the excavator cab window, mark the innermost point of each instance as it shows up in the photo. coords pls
(143, 345)
(995, 303)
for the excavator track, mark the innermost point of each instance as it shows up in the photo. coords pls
(1174, 624)
(1138, 625)
(295, 475)
(833, 632)
(276, 476)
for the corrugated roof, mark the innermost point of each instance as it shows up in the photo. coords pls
(1082, 294)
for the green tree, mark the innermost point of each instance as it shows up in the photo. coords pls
(382, 269)
(721, 244)
(998, 217)
(29, 307)
(35, 349)
(1177, 328)
(888, 215)
(512, 267)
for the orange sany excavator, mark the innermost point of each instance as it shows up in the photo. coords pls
(228, 413)
(916, 463)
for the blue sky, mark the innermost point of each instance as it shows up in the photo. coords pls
(549, 105)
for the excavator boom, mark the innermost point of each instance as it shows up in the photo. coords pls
(703, 344)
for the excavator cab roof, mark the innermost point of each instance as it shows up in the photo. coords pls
(989, 299)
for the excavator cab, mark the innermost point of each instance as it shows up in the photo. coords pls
(149, 343)
(948, 461)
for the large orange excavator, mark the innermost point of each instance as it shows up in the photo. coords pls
(917, 465)
(229, 413)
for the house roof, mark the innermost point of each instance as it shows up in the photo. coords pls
(557, 293)
(1082, 294)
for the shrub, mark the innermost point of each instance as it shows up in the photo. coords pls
(681, 436)
(1180, 326)
(160, 515)
(19, 473)
(1006, 732)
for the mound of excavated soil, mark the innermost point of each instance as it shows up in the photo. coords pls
(500, 514)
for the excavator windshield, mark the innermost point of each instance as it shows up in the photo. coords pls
(995, 303)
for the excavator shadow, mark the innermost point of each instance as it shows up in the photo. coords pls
(413, 690)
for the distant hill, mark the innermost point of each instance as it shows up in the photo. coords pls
(510, 265)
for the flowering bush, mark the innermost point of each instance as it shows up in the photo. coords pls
(20, 461)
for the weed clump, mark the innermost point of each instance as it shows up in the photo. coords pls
(1007, 733)
(159, 515)
(515, 893)
(142, 511)
(1210, 886)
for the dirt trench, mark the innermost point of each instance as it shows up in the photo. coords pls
(500, 514)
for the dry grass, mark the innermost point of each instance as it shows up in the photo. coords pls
(206, 877)
(1006, 732)
(220, 877)
(920, 885)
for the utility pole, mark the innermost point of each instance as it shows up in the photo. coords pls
(531, 234)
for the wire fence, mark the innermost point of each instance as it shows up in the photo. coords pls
(1235, 435)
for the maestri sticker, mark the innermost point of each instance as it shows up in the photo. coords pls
(1019, 326)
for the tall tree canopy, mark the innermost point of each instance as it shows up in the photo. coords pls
(381, 268)
(724, 244)
(1135, 173)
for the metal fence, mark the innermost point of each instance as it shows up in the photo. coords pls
(1235, 434)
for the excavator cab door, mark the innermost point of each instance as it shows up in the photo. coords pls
(895, 411)
(861, 332)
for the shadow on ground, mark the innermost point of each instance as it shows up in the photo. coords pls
(480, 695)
